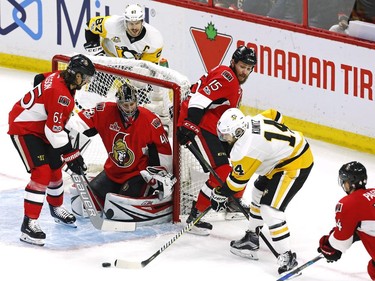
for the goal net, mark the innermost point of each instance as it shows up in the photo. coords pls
(159, 89)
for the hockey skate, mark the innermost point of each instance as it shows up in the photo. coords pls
(31, 232)
(287, 261)
(233, 211)
(61, 215)
(246, 247)
(201, 227)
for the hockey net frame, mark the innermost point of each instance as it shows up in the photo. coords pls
(186, 168)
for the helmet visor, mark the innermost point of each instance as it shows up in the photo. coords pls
(87, 78)
(225, 137)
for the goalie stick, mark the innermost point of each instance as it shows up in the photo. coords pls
(83, 187)
(298, 271)
(136, 265)
(201, 159)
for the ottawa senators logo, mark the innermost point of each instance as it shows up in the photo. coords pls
(121, 155)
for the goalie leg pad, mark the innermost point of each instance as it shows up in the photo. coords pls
(144, 211)
(76, 203)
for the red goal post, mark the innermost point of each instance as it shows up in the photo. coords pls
(149, 79)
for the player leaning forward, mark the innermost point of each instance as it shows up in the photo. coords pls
(139, 158)
(283, 160)
(355, 217)
(36, 127)
(126, 36)
(216, 91)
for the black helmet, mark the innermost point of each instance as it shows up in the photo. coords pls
(81, 64)
(244, 54)
(354, 173)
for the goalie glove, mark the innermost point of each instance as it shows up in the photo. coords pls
(158, 178)
(79, 140)
(94, 49)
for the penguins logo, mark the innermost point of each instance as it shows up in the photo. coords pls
(121, 154)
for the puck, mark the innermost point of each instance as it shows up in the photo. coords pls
(106, 264)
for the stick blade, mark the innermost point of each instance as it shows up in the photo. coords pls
(110, 225)
(128, 264)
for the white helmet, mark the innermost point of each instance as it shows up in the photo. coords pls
(232, 124)
(134, 12)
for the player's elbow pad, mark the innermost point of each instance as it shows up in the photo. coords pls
(195, 115)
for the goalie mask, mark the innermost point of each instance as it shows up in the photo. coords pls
(354, 173)
(126, 99)
(231, 125)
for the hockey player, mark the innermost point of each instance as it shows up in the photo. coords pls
(126, 36)
(283, 160)
(138, 148)
(36, 127)
(355, 217)
(215, 92)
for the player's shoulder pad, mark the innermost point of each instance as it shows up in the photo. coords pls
(154, 34)
(274, 115)
(150, 116)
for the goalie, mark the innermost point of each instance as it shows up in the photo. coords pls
(138, 168)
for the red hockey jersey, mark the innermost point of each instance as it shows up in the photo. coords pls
(44, 111)
(355, 212)
(127, 148)
(216, 92)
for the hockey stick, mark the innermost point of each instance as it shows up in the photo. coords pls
(297, 271)
(82, 186)
(135, 265)
(200, 157)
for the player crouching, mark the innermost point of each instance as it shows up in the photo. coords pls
(154, 208)
(139, 155)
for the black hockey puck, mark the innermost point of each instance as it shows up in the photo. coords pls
(106, 264)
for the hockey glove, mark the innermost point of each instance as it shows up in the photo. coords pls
(330, 253)
(75, 162)
(94, 49)
(218, 201)
(187, 132)
(160, 180)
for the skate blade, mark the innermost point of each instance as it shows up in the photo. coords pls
(248, 254)
(199, 231)
(72, 225)
(33, 241)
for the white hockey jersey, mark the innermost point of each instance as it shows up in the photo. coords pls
(117, 43)
(267, 147)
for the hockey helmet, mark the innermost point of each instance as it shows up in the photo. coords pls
(355, 174)
(245, 54)
(81, 64)
(231, 125)
(134, 12)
